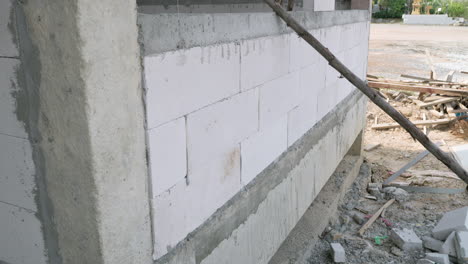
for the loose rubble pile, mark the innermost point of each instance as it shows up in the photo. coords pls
(448, 244)
(396, 228)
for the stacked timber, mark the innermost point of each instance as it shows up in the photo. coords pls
(445, 101)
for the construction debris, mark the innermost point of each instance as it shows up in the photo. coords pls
(405, 239)
(456, 220)
(445, 100)
(396, 193)
(438, 258)
(461, 244)
(338, 253)
(375, 216)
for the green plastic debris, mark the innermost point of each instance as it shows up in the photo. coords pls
(378, 239)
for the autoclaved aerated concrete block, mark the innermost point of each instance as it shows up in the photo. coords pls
(448, 247)
(438, 258)
(456, 220)
(405, 239)
(461, 245)
(183, 81)
(338, 253)
(277, 98)
(262, 148)
(271, 52)
(167, 155)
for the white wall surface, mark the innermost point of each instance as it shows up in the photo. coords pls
(324, 5)
(21, 238)
(234, 108)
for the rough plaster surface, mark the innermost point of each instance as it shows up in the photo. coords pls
(192, 30)
(277, 83)
(83, 68)
(9, 91)
(291, 183)
(8, 39)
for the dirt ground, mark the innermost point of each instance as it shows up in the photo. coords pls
(396, 49)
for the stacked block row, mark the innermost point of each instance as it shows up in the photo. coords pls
(20, 229)
(218, 115)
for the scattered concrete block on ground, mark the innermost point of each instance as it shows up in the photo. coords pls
(425, 261)
(456, 220)
(432, 243)
(396, 193)
(448, 247)
(461, 245)
(338, 253)
(438, 258)
(405, 239)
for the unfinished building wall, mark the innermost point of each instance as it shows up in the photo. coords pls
(231, 101)
(21, 237)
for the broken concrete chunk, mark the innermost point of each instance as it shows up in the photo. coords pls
(432, 243)
(374, 185)
(396, 193)
(405, 239)
(438, 258)
(338, 253)
(449, 246)
(358, 219)
(456, 220)
(396, 251)
(425, 261)
(461, 245)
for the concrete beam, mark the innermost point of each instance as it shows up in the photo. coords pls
(165, 32)
(82, 74)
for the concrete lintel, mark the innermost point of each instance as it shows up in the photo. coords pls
(165, 32)
(82, 73)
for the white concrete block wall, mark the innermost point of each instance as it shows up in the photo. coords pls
(184, 81)
(262, 148)
(277, 98)
(10, 125)
(21, 238)
(324, 5)
(217, 120)
(263, 59)
(8, 48)
(168, 159)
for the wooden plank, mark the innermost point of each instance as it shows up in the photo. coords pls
(374, 217)
(360, 84)
(440, 101)
(424, 89)
(432, 98)
(372, 76)
(450, 111)
(456, 111)
(424, 127)
(421, 78)
(436, 113)
(416, 123)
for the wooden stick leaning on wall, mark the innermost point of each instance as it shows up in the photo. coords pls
(369, 92)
